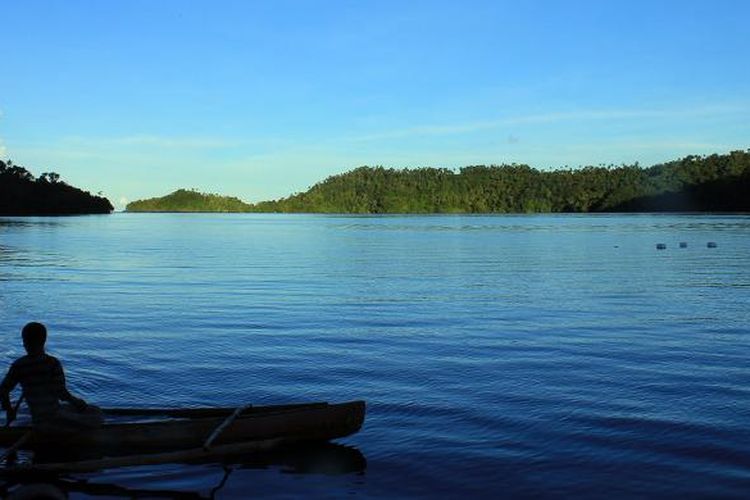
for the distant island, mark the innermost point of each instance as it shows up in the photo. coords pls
(23, 194)
(188, 200)
(714, 183)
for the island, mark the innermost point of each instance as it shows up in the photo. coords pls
(713, 183)
(22, 194)
(189, 200)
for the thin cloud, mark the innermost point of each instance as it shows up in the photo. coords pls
(155, 141)
(558, 117)
(665, 145)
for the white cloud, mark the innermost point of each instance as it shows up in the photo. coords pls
(121, 203)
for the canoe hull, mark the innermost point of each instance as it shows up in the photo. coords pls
(267, 426)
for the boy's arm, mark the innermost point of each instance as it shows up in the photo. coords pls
(79, 403)
(64, 393)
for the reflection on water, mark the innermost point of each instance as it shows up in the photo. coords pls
(327, 459)
(324, 458)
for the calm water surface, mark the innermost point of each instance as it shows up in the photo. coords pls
(500, 355)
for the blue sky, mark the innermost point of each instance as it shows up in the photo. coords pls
(262, 99)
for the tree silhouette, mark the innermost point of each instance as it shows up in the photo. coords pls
(22, 194)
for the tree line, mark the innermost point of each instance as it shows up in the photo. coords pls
(189, 200)
(694, 183)
(21, 193)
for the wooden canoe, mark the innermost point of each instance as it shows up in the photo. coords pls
(166, 430)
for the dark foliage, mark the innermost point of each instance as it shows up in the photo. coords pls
(23, 194)
(694, 183)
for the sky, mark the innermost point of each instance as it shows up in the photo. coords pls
(263, 99)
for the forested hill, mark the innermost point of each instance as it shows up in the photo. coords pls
(184, 200)
(694, 183)
(23, 194)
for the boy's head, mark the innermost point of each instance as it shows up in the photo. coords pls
(34, 336)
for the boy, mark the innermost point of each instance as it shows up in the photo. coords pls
(43, 382)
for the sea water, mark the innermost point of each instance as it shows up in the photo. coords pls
(520, 355)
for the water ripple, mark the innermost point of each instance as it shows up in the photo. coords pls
(542, 356)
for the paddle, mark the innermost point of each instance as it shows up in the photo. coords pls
(231, 418)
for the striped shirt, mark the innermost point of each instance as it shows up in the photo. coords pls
(43, 383)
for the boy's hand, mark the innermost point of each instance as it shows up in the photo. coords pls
(80, 405)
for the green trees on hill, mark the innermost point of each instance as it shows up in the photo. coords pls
(715, 182)
(23, 194)
(184, 200)
(694, 183)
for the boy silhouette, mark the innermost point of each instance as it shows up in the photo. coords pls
(43, 383)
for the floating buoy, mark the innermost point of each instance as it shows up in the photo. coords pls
(661, 246)
(711, 244)
(683, 244)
